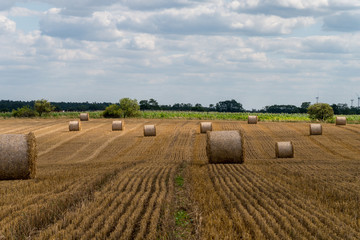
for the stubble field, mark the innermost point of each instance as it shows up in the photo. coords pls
(99, 184)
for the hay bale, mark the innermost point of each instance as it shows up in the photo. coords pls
(284, 149)
(84, 116)
(74, 126)
(252, 119)
(340, 120)
(18, 156)
(149, 130)
(315, 129)
(205, 126)
(225, 147)
(117, 125)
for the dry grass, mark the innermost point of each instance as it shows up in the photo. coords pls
(100, 184)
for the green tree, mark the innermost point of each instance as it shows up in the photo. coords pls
(43, 106)
(198, 107)
(229, 106)
(144, 105)
(112, 111)
(25, 111)
(304, 106)
(320, 111)
(129, 107)
(154, 104)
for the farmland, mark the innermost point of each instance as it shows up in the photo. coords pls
(100, 184)
(191, 115)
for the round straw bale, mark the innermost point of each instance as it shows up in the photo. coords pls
(117, 125)
(84, 116)
(17, 156)
(315, 129)
(284, 149)
(149, 130)
(225, 147)
(340, 120)
(205, 126)
(252, 119)
(74, 126)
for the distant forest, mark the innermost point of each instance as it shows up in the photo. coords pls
(152, 104)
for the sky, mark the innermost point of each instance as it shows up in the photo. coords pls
(258, 52)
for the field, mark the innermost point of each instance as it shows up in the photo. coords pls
(99, 184)
(242, 116)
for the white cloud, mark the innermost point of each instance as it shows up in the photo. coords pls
(145, 41)
(99, 27)
(197, 51)
(6, 25)
(23, 12)
(304, 4)
(209, 19)
(244, 4)
(261, 24)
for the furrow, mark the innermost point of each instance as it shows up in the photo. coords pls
(134, 220)
(261, 199)
(272, 213)
(156, 228)
(97, 223)
(117, 221)
(101, 148)
(242, 220)
(240, 195)
(145, 219)
(306, 212)
(68, 139)
(104, 203)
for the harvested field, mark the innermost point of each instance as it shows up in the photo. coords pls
(103, 184)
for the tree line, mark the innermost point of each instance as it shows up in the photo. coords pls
(151, 104)
(8, 106)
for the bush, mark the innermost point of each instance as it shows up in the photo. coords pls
(320, 111)
(129, 107)
(43, 106)
(24, 112)
(113, 111)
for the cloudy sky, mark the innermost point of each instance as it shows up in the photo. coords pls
(258, 52)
